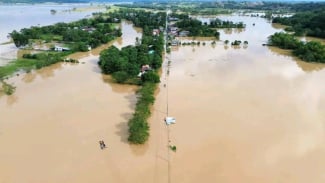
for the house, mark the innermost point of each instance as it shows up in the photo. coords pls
(145, 68)
(88, 29)
(183, 33)
(155, 32)
(59, 48)
(172, 19)
(175, 42)
(173, 30)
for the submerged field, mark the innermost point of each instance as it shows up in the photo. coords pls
(243, 114)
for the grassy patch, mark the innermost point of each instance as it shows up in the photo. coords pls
(41, 60)
(51, 37)
(20, 64)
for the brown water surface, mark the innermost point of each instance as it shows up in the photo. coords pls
(243, 114)
(51, 125)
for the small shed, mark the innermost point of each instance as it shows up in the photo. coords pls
(59, 48)
(184, 33)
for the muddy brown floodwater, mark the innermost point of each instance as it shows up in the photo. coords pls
(246, 115)
(51, 126)
(243, 114)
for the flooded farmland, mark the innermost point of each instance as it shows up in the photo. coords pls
(247, 115)
(51, 125)
(243, 114)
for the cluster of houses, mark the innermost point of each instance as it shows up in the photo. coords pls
(176, 32)
(172, 29)
(173, 32)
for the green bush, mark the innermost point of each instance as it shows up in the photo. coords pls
(173, 148)
(120, 76)
(150, 77)
(311, 51)
(284, 40)
(138, 125)
(138, 129)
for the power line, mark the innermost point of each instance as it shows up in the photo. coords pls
(167, 101)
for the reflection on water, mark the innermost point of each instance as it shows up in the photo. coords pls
(307, 38)
(48, 72)
(308, 67)
(29, 77)
(227, 31)
(279, 26)
(305, 66)
(239, 30)
(12, 99)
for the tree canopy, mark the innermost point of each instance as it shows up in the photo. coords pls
(311, 23)
(308, 51)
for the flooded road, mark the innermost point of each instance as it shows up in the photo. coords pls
(246, 115)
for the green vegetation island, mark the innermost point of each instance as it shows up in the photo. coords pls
(139, 64)
(308, 21)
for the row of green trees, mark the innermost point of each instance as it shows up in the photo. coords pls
(196, 28)
(217, 23)
(127, 63)
(308, 51)
(46, 58)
